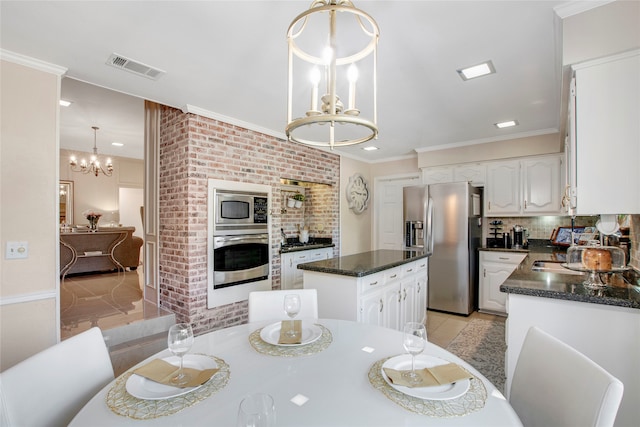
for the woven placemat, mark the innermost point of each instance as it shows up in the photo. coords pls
(122, 403)
(291, 351)
(473, 400)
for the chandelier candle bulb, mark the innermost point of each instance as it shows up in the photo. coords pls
(315, 81)
(352, 75)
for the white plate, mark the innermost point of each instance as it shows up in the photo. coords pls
(310, 333)
(441, 392)
(607, 224)
(143, 388)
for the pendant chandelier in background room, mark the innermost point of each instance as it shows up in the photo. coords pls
(332, 50)
(94, 167)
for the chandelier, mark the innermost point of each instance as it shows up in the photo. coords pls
(338, 63)
(94, 167)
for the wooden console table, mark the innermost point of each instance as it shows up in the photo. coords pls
(93, 246)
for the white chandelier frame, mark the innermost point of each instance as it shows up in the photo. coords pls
(331, 110)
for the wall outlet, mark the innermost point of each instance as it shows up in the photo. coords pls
(17, 250)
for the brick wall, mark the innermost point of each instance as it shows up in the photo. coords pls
(194, 149)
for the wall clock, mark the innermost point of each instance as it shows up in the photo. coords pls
(357, 193)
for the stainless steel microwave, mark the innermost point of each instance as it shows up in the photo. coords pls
(239, 210)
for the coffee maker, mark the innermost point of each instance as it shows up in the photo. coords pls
(518, 237)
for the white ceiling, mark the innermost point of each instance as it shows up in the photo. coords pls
(230, 58)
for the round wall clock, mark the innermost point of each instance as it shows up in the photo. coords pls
(357, 193)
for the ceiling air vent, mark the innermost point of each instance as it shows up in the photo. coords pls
(135, 67)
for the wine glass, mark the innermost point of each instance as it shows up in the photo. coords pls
(415, 336)
(257, 410)
(292, 308)
(179, 341)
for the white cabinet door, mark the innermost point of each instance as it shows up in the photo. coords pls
(438, 174)
(287, 271)
(371, 308)
(421, 289)
(529, 186)
(474, 173)
(391, 311)
(502, 192)
(494, 275)
(495, 268)
(409, 295)
(542, 185)
(608, 135)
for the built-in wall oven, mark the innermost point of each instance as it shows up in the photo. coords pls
(240, 258)
(240, 237)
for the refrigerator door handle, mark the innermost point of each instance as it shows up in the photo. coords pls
(429, 230)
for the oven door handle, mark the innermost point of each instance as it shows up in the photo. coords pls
(221, 241)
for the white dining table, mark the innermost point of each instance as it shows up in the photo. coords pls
(334, 382)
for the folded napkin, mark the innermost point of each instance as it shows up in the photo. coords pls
(285, 327)
(436, 375)
(161, 372)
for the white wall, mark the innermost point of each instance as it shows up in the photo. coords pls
(29, 316)
(355, 230)
(603, 31)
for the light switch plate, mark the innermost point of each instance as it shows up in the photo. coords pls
(17, 250)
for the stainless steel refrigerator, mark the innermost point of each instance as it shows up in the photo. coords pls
(451, 216)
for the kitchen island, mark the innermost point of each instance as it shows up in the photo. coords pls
(383, 287)
(604, 324)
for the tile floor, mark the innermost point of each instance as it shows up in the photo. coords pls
(107, 300)
(442, 328)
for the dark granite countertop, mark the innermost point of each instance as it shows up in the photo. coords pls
(623, 289)
(306, 247)
(365, 263)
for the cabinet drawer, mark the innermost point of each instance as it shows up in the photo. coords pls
(393, 274)
(372, 282)
(408, 269)
(503, 257)
(421, 264)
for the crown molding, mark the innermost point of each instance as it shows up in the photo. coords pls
(487, 140)
(571, 8)
(188, 108)
(27, 61)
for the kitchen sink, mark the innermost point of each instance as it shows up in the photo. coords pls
(552, 267)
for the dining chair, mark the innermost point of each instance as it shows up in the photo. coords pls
(50, 387)
(556, 385)
(269, 305)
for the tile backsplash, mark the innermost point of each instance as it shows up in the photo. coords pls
(541, 228)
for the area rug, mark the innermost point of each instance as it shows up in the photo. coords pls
(482, 344)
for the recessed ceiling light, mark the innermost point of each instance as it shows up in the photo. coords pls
(117, 144)
(478, 70)
(506, 124)
(64, 103)
(370, 148)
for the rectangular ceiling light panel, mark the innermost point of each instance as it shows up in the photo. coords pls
(135, 67)
(476, 70)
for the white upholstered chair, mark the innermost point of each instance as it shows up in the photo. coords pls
(50, 387)
(555, 385)
(269, 305)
